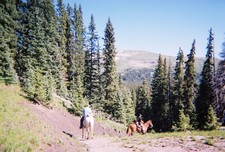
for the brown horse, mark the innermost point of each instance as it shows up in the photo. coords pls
(146, 125)
(133, 127)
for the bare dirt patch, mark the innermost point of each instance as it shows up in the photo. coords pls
(172, 144)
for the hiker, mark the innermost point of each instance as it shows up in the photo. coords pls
(87, 110)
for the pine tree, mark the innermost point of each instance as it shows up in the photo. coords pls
(91, 77)
(39, 53)
(119, 113)
(61, 20)
(170, 82)
(70, 51)
(134, 96)
(35, 47)
(23, 55)
(124, 109)
(206, 94)
(220, 83)
(77, 89)
(159, 103)
(189, 85)
(178, 86)
(143, 101)
(8, 41)
(55, 83)
(183, 122)
(211, 123)
(129, 106)
(99, 100)
(99, 82)
(109, 65)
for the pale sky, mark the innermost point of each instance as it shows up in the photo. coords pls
(160, 26)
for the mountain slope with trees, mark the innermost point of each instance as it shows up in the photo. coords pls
(47, 50)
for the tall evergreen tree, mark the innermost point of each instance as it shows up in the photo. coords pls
(38, 52)
(206, 94)
(78, 76)
(61, 20)
(8, 41)
(170, 82)
(61, 23)
(109, 65)
(91, 79)
(54, 74)
(36, 45)
(178, 85)
(70, 50)
(219, 85)
(99, 98)
(189, 85)
(23, 55)
(100, 92)
(159, 103)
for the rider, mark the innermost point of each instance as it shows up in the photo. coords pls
(87, 110)
(139, 121)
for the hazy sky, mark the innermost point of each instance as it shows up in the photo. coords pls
(160, 26)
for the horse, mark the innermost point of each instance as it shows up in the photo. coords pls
(146, 125)
(133, 128)
(88, 127)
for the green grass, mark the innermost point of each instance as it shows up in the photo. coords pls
(209, 141)
(111, 124)
(208, 134)
(17, 125)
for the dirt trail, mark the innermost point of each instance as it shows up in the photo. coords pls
(62, 128)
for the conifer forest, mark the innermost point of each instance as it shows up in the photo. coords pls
(47, 50)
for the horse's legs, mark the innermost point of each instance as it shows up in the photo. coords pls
(92, 130)
(83, 132)
(130, 131)
(87, 131)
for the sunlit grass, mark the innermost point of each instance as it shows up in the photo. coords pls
(17, 125)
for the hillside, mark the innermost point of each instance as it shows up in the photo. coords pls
(26, 126)
(136, 65)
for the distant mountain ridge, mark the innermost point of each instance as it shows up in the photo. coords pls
(135, 65)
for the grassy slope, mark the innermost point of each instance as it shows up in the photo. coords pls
(18, 127)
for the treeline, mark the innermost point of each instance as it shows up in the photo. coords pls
(47, 50)
(176, 100)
